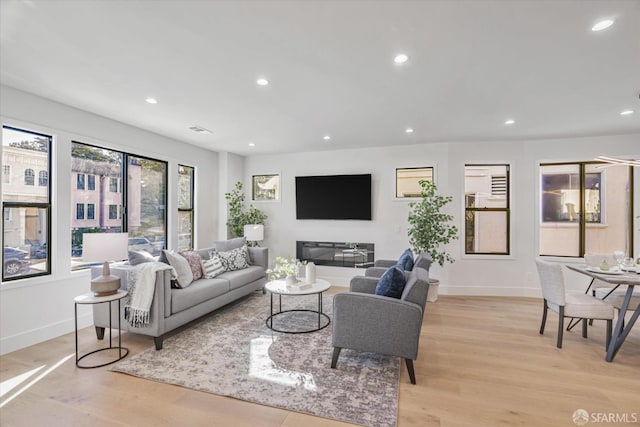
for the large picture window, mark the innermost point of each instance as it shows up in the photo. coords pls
(26, 207)
(487, 211)
(408, 181)
(139, 208)
(585, 207)
(185, 207)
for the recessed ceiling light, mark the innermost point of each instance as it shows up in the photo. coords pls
(151, 100)
(408, 130)
(602, 25)
(626, 112)
(509, 122)
(400, 59)
(262, 82)
(251, 144)
(326, 137)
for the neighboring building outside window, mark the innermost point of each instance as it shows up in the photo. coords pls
(80, 181)
(26, 207)
(6, 174)
(487, 209)
(113, 212)
(408, 181)
(113, 185)
(585, 208)
(79, 211)
(185, 207)
(91, 211)
(29, 177)
(43, 178)
(91, 182)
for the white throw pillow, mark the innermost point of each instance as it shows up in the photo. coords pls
(212, 267)
(177, 261)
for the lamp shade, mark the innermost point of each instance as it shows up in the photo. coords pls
(104, 246)
(254, 232)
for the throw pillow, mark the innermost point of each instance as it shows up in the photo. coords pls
(140, 257)
(195, 263)
(212, 267)
(183, 270)
(406, 260)
(392, 282)
(236, 259)
(231, 244)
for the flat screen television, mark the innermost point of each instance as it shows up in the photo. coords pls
(333, 197)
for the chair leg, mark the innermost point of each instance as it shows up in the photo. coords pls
(584, 328)
(544, 317)
(158, 342)
(99, 332)
(560, 326)
(334, 359)
(412, 374)
(609, 327)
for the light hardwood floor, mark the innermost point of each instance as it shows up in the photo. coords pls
(481, 363)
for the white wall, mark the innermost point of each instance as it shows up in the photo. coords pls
(34, 310)
(475, 275)
(230, 167)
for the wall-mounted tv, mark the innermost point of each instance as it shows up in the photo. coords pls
(333, 197)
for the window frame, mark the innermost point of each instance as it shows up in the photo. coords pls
(507, 210)
(582, 223)
(38, 205)
(191, 209)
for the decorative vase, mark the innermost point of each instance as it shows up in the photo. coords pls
(310, 273)
(291, 280)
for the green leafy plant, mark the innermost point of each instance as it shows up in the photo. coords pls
(238, 216)
(430, 229)
(283, 267)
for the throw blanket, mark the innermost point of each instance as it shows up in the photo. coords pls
(142, 284)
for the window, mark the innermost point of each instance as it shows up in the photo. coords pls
(110, 176)
(185, 207)
(585, 207)
(26, 208)
(265, 187)
(43, 178)
(6, 174)
(29, 177)
(408, 181)
(79, 211)
(487, 216)
(80, 181)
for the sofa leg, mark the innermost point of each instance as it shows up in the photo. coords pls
(158, 342)
(334, 359)
(412, 374)
(100, 332)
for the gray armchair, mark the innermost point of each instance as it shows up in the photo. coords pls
(381, 265)
(366, 322)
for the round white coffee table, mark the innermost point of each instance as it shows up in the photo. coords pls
(280, 288)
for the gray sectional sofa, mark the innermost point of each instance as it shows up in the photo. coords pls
(173, 307)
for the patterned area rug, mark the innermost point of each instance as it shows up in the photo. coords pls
(233, 353)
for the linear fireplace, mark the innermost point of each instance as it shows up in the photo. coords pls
(337, 254)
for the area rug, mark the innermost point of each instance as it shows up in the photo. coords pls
(233, 353)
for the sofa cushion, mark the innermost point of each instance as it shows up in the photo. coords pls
(239, 278)
(212, 267)
(183, 270)
(231, 244)
(406, 260)
(195, 263)
(199, 291)
(205, 253)
(236, 259)
(392, 282)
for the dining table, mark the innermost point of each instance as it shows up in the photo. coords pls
(630, 279)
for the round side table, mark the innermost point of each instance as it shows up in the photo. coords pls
(90, 298)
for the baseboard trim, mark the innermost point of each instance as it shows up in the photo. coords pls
(494, 291)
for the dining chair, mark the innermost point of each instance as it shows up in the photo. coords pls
(573, 305)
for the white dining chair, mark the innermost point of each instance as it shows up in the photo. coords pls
(573, 305)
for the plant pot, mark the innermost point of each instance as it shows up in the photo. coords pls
(291, 280)
(434, 284)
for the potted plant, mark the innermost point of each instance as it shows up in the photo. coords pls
(238, 216)
(286, 268)
(430, 229)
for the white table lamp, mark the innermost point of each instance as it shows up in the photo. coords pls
(105, 247)
(254, 232)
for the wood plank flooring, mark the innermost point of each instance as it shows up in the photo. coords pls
(482, 362)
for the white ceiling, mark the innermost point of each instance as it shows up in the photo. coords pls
(472, 65)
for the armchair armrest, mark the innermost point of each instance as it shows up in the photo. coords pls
(377, 324)
(385, 263)
(365, 285)
(259, 256)
(376, 272)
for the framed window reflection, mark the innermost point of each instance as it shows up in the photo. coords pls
(408, 181)
(265, 187)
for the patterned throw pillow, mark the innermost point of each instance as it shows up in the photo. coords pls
(212, 267)
(236, 259)
(195, 262)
